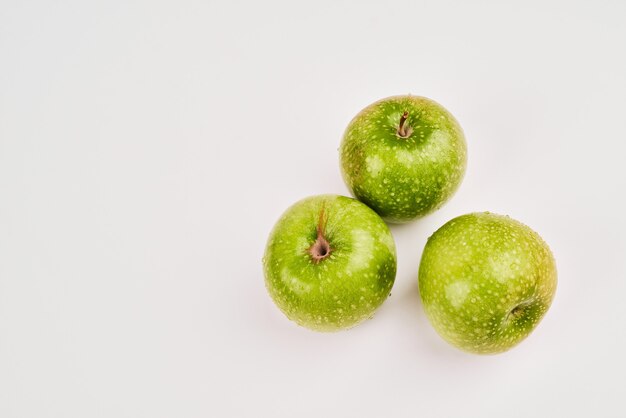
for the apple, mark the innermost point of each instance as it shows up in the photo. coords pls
(329, 263)
(403, 156)
(486, 281)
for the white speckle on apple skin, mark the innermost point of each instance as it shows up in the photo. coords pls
(343, 289)
(456, 292)
(374, 165)
(508, 271)
(407, 158)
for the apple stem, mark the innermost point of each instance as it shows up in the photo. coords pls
(404, 131)
(320, 249)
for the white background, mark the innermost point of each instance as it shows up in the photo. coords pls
(148, 147)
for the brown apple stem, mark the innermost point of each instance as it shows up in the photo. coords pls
(404, 131)
(320, 249)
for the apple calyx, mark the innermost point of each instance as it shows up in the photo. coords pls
(320, 249)
(518, 310)
(404, 131)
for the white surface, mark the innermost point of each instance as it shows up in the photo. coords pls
(148, 147)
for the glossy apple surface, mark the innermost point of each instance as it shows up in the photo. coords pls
(329, 263)
(486, 281)
(403, 156)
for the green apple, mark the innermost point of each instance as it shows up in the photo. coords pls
(486, 281)
(329, 263)
(403, 156)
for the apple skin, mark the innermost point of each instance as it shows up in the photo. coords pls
(353, 278)
(403, 178)
(486, 281)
